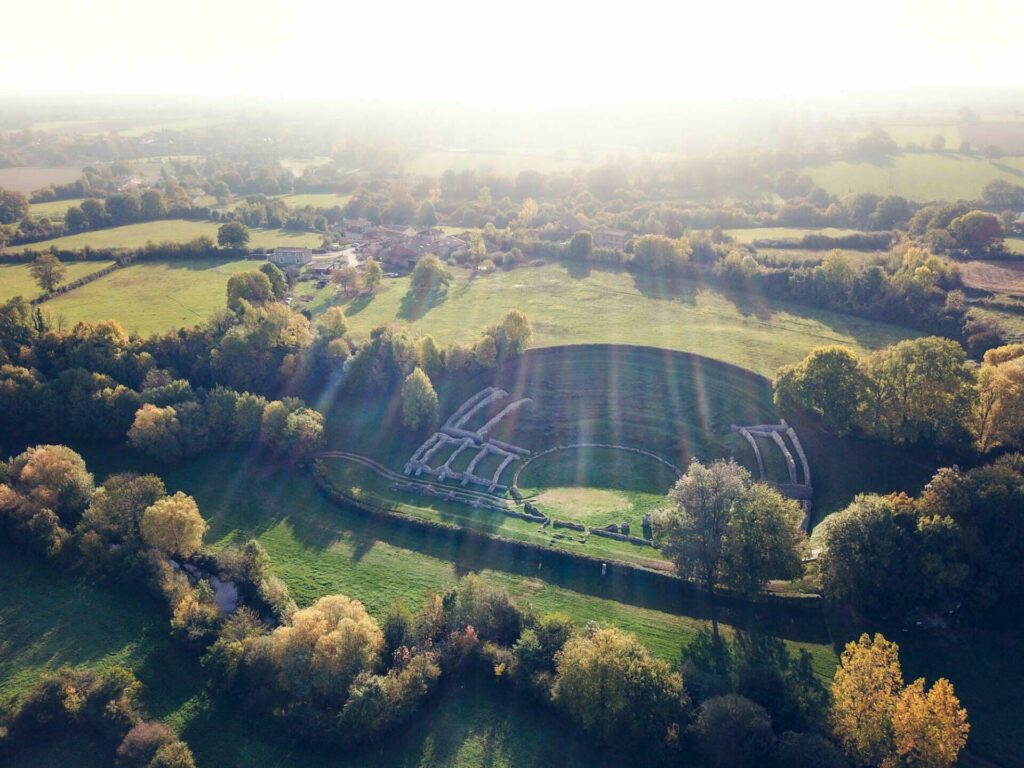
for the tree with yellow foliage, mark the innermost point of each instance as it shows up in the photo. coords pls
(999, 408)
(174, 526)
(930, 727)
(325, 647)
(881, 722)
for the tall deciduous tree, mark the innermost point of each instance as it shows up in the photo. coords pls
(278, 282)
(581, 247)
(233, 234)
(174, 526)
(930, 727)
(828, 382)
(47, 271)
(692, 528)
(13, 206)
(762, 540)
(373, 275)
(608, 683)
(881, 722)
(419, 400)
(918, 388)
(253, 287)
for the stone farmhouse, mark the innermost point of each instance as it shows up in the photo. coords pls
(289, 256)
(612, 238)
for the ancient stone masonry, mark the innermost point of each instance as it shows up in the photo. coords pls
(799, 486)
(454, 435)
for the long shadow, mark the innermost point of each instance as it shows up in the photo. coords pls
(578, 270)
(1008, 169)
(414, 307)
(471, 551)
(358, 304)
(666, 287)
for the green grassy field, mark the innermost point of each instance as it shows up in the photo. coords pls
(321, 200)
(16, 280)
(568, 307)
(49, 619)
(152, 296)
(919, 176)
(1015, 245)
(54, 209)
(785, 233)
(169, 230)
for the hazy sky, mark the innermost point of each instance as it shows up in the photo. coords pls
(533, 51)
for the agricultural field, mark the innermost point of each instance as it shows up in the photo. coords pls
(55, 209)
(920, 176)
(996, 276)
(1015, 245)
(168, 230)
(572, 305)
(27, 179)
(152, 296)
(16, 280)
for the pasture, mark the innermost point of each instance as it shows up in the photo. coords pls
(316, 200)
(16, 280)
(575, 305)
(152, 296)
(55, 209)
(920, 176)
(995, 276)
(166, 230)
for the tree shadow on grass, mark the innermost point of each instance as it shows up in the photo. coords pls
(666, 287)
(358, 304)
(1009, 169)
(414, 307)
(578, 270)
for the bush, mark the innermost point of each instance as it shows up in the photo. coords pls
(734, 732)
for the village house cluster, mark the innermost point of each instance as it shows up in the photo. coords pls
(396, 249)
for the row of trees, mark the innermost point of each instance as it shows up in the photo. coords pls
(391, 354)
(920, 390)
(957, 547)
